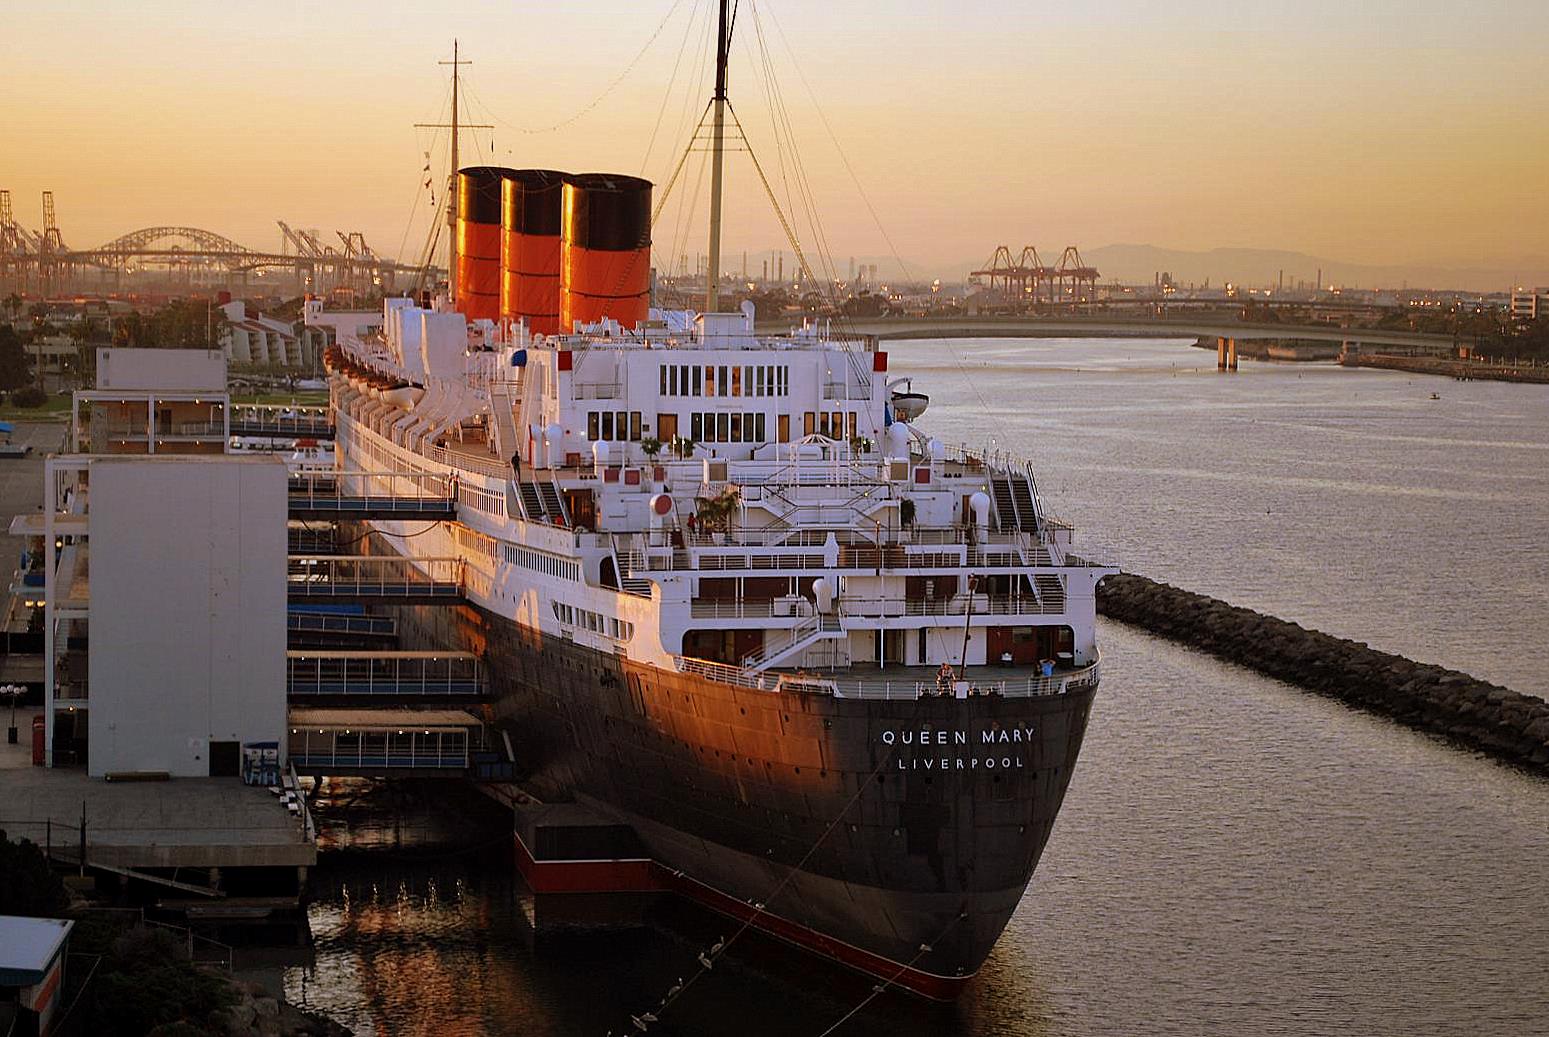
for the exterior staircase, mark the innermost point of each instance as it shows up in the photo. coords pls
(1051, 593)
(502, 407)
(629, 563)
(553, 507)
(809, 631)
(1022, 495)
(532, 504)
(1005, 506)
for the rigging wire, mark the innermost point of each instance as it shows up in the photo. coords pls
(677, 63)
(957, 359)
(881, 988)
(839, 147)
(590, 106)
(424, 187)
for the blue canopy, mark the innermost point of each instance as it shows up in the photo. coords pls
(7, 427)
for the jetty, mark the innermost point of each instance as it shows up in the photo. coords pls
(1503, 723)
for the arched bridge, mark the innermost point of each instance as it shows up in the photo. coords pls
(192, 245)
(1192, 326)
(202, 240)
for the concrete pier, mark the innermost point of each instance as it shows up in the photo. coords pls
(181, 823)
(1496, 720)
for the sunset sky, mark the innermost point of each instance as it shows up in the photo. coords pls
(1384, 132)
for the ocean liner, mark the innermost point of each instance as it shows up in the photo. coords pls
(729, 590)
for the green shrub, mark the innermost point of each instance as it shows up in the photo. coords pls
(30, 396)
(28, 886)
(145, 982)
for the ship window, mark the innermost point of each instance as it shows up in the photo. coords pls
(758, 382)
(696, 380)
(736, 381)
(696, 427)
(784, 380)
(591, 425)
(724, 381)
(709, 381)
(838, 425)
(758, 427)
(607, 425)
(621, 425)
(666, 369)
(808, 423)
(854, 424)
(634, 425)
(736, 428)
(723, 428)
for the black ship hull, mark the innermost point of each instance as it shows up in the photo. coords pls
(896, 836)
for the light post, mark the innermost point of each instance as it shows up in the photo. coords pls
(14, 692)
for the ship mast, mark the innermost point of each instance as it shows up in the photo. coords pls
(451, 180)
(451, 194)
(717, 140)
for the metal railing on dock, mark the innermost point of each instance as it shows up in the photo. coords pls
(354, 750)
(281, 422)
(327, 674)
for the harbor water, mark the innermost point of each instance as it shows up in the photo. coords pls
(1235, 855)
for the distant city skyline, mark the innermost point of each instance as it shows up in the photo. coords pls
(1395, 136)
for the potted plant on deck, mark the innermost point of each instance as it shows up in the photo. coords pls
(683, 447)
(715, 513)
(650, 446)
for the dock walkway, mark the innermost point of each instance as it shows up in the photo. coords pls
(181, 823)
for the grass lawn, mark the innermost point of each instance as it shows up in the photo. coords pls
(56, 409)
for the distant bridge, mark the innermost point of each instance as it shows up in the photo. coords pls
(1192, 326)
(43, 262)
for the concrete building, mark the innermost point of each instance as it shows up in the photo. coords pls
(33, 952)
(154, 401)
(164, 591)
(180, 679)
(1529, 303)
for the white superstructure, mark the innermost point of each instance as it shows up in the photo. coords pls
(696, 496)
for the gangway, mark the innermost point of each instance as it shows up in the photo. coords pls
(372, 495)
(339, 630)
(373, 580)
(280, 422)
(309, 540)
(383, 742)
(352, 676)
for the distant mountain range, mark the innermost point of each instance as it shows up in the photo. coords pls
(1139, 264)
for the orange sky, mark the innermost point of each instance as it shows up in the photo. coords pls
(1408, 131)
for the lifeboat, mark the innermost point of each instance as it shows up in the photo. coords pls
(908, 405)
(403, 394)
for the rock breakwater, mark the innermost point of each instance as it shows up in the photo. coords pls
(1472, 712)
